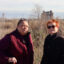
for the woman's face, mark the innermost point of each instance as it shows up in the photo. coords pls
(23, 27)
(52, 28)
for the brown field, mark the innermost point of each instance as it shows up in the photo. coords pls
(38, 31)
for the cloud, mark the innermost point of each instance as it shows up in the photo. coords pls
(15, 5)
(27, 5)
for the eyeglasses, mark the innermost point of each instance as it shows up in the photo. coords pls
(51, 27)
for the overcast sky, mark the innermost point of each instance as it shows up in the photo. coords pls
(28, 5)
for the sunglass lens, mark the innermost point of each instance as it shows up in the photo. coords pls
(51, 27)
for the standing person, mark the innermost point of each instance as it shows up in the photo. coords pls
(53, 45)
(17, 47)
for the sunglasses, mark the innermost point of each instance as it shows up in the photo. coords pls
(51, 27)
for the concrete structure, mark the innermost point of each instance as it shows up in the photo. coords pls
(45, 16)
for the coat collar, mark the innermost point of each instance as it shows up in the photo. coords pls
(54, 36)
(17, 34)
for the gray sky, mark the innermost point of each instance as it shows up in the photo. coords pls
(28, 5)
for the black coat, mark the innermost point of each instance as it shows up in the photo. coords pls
(53, 50)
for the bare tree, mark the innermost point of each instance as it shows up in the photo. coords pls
(36, 12)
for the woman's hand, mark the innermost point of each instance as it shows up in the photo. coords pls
(13, 60)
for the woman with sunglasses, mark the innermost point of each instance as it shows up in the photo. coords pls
(53, 45)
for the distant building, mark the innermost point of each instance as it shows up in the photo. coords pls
(45, 16)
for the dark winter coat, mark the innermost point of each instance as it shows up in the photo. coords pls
(53, 50)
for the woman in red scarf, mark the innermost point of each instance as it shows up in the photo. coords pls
(17, 47)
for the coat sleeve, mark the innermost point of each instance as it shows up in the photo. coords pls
(44, 59)
(4, 44)
(31, 51)
(62, 52)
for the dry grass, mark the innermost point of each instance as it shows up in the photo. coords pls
(38, 31)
